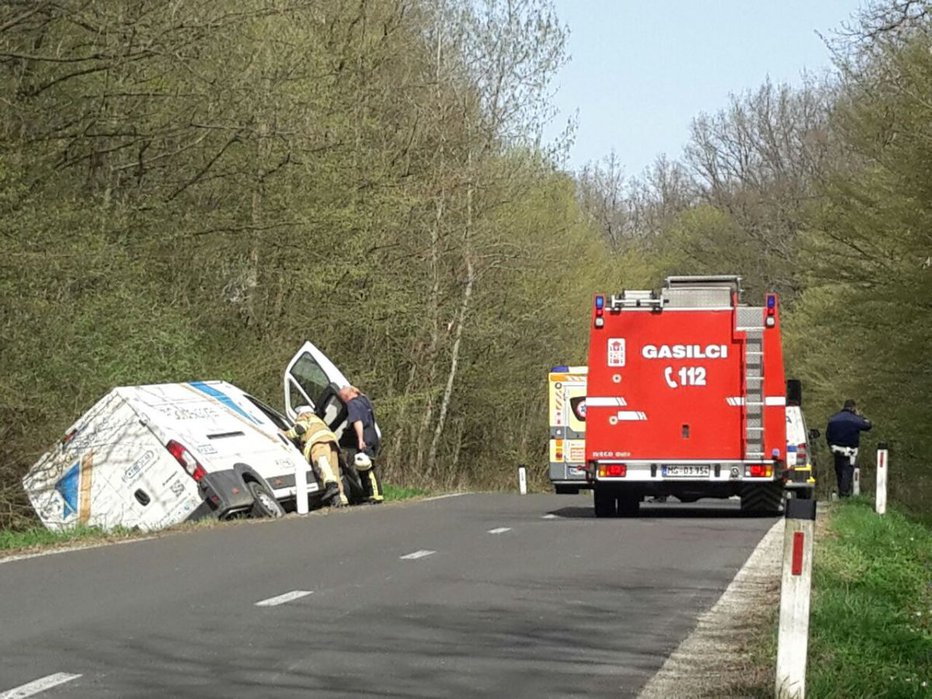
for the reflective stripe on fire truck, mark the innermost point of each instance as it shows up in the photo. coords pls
(769, 400)
(605, 402)
(628, 415)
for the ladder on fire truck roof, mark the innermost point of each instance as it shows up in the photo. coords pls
(708, 291)
(727, 280)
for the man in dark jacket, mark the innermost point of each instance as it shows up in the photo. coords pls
(844, 437)
(363, 440)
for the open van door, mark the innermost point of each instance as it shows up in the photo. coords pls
(312, 379)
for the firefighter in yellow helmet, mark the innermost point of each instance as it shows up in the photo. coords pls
(321, 449)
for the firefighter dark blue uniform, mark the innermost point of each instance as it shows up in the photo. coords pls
(843, 435)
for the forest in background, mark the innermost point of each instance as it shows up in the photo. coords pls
(189, 190)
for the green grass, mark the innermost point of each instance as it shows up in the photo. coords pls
(396, 492)
(869, 632)
(39, 538)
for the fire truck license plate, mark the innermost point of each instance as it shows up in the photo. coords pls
(685, 471)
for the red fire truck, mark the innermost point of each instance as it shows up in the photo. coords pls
(687, 397)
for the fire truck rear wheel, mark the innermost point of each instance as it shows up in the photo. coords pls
(628, 505)
(605, 502)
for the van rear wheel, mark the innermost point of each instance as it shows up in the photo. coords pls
(265, 504)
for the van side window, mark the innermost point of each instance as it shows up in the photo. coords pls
(310, 376)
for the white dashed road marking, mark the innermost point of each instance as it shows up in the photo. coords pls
(39, 685)
(549, 517)
(417, 554)
(287, 597)
(500, 530)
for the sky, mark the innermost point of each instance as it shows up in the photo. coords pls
(641, 70)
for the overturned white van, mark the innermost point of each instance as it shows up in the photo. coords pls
(151, 456)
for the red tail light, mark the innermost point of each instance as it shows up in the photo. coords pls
(759, 471)
(613, 471)
(186, 459)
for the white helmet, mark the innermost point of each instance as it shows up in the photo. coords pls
(303, 410)
(362, 462)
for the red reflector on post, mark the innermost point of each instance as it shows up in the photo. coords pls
(798, 541)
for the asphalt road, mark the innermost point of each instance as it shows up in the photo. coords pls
(520, 596)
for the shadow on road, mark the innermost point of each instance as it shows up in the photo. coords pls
(709, 510)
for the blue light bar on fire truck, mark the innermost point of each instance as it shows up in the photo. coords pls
(599, 311)
(771, 320)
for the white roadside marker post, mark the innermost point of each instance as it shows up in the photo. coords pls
(793, 636)
(300, 484)
(856, 482)
(880, 504)
(522, 480)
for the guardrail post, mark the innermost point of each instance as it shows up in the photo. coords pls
(522, 479)
(793, 636)
(880, 504)
(300, 485)
(856, 481)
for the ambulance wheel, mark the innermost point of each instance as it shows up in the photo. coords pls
(628, 505)
(265, 504)
(605, 502)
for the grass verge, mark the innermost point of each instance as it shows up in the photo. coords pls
(397, 492)
(870, 629)
(39, 538)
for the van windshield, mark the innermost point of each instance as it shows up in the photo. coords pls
(277, 418)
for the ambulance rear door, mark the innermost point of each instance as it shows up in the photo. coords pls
(567, 411)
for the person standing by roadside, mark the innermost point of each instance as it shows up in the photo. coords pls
(363, 440)
(844, 437)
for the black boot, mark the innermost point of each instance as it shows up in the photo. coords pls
(331, 494)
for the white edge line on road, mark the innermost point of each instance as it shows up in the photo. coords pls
(69, 549)
(550, 516)
(287, 597)
(417, 554)
(444, 497)
(500, 530)
(39, 685)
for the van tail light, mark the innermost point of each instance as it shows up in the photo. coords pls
(191, 465)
